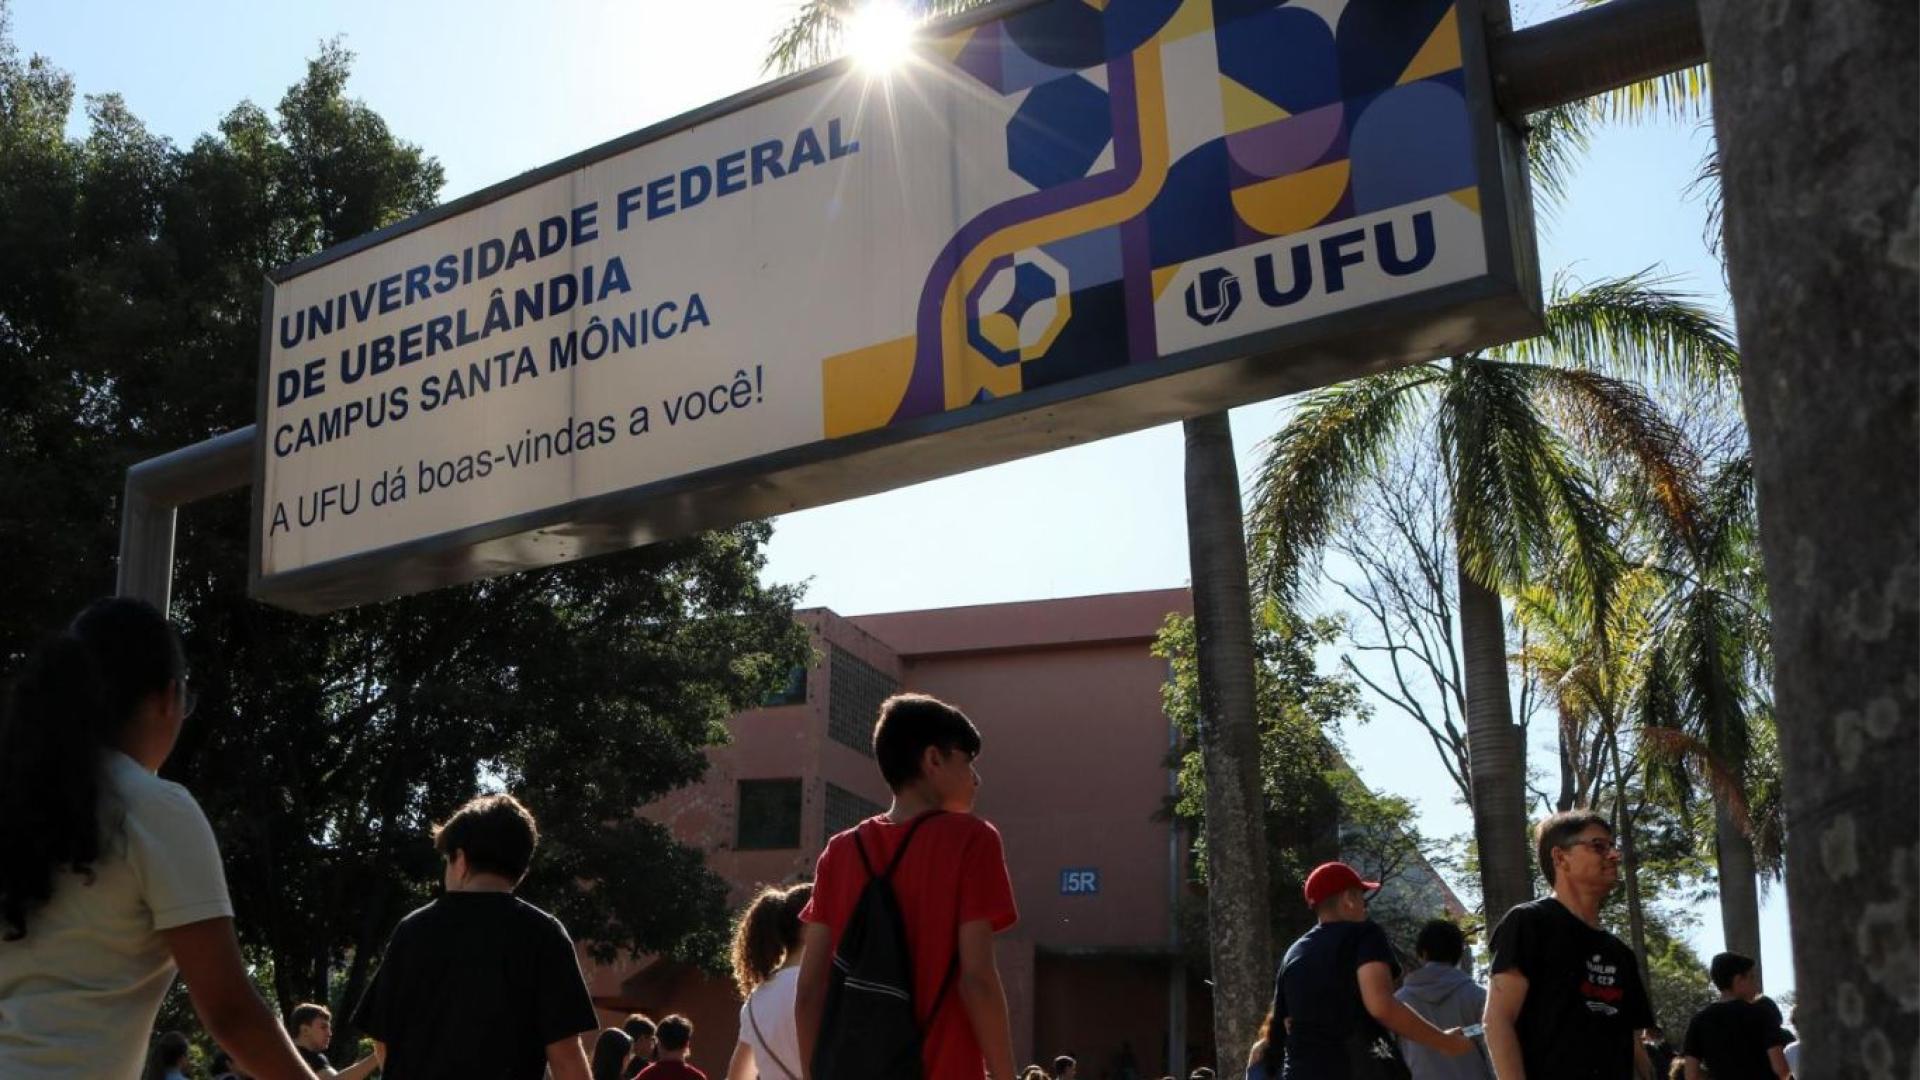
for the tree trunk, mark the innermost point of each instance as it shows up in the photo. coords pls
(1240, 935)
(1496, 754)
(1739, 883)
(1814, 105)
(1569, 785)
(1623, 820)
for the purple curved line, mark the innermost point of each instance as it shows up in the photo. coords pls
(926, 387)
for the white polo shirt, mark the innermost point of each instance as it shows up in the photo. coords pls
(79, 993)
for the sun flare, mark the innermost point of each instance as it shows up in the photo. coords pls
(880, 36)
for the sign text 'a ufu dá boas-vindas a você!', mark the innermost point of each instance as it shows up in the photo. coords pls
(1055, 222)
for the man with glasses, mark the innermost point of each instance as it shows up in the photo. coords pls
(1566, 1000)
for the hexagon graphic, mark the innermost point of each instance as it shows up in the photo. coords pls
(1058, 132)
(1019, 307)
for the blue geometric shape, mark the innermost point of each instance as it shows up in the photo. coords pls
(1193, 213)
(1412, 142)
(1286, 55)
(1377, 41)
(1065, 34)
(1031, 284)
(1091, 258)
(1058, 131)
(1019, 71)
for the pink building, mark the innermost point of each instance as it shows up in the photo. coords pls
(1066, 694)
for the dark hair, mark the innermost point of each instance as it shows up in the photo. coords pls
(496, 832)
(767, 933)
(1441, 941)
(675, 1033)
(169, 1050)
(638, 1026)
(306, 1013)
(1559, 830)
(1727, 967)
(69, 704)
(908, 725)
(1062, 1063)
(610, 1053)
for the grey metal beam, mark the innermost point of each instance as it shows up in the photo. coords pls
(156, 489)
(1590, 52)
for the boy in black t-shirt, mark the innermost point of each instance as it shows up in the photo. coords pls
(1567, 1002)
(1333, 998)
(480, 982)
(1737, 1037)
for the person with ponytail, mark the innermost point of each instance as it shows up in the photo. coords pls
(766, 962)
(110, 878)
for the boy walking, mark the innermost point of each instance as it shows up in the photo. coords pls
(950, 884)
(676, 1042)
(480, 982)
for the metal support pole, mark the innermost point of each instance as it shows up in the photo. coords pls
(1590, 52)
(156, 489)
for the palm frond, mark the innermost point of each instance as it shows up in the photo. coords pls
(1617, 421)
(1679, 95)
(1634, 326)
(815, 32)
(1313, 466)
(1556, 139)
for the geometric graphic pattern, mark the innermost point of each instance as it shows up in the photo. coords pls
(1294, 114)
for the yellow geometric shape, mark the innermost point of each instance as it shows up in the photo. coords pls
(1440, 54)
(1063, 310)
(1163, 276)
(860, 389)
(1097, 5)
(1467, 197)
(951, 45)
(1292, 203)
(1194, 17)
(1244, 110)
(999, 328)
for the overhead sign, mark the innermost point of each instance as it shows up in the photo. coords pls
(1059, 221)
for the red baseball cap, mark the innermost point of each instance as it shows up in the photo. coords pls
(1331, 879)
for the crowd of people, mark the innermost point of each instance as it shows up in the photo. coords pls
(883, 966)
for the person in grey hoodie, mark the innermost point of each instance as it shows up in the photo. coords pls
(1448, 998)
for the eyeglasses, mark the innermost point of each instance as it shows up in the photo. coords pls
(1599, 845)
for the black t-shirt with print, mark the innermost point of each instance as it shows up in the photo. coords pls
(315, 1060)
(1584, 998)
(1731, 1039)
(475, 984)
(1318, 989)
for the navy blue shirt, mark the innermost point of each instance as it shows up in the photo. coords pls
(1318, 988)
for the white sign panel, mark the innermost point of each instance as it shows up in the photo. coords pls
(1058, 221)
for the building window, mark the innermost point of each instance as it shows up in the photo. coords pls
(793, 693)
(845, 809)
(769, 815)
(855, 691)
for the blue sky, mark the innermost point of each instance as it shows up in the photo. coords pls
(492, 89)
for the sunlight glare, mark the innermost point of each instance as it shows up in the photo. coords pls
(880, 36)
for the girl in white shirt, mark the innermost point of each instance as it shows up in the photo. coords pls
(766, 966)
(110, 879)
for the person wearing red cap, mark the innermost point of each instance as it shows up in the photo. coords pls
(1333, 997)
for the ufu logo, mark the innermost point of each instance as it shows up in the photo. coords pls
(1213, 296)
(1319, 266)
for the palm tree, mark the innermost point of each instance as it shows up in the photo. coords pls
(1705, 700)
(1506, 422)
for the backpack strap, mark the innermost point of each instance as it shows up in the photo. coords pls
(906, 841)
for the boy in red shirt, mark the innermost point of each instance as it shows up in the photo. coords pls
(675, 1035)
(952, 887)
